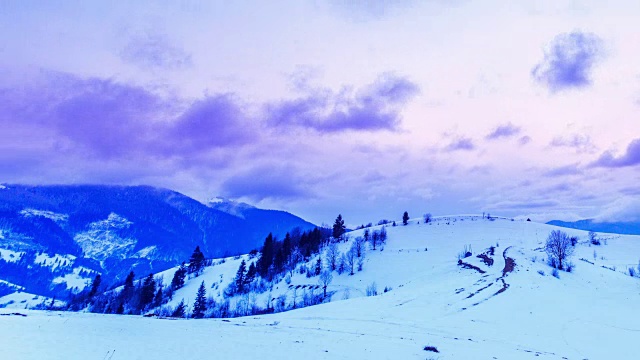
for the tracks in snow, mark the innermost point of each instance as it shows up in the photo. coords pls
(509, 266)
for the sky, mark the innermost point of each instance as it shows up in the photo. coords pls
(367, 109)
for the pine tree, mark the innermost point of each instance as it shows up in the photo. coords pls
(196, 262)
(266, 258)
(128, 289)
(251, 275)
(405, 218)
(147, 292)
(318, 265)
(338, 227)
(240, 279)
(157, 300)
(94, 286)
(200, 305)
(178, 277)
(180, 310)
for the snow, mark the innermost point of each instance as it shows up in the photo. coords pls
(45, 213)
(590, 313)
(9, 255)
(54, 261)
(145, 252)
(74, 280)
(23, 300)
(102, 239)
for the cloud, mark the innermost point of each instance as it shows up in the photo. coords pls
(631, 157)
(524, 140)
(503, 131)
(374, 107)
(266, 182)
(154, 51)
(563, 171)
(623, 209)
(212, 122)
(106, 119)
(461, 143)
(580, 142)
(523, 205)
(568, 61)
(368, 10)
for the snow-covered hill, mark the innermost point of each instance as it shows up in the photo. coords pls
(473, 311)
(111, 230)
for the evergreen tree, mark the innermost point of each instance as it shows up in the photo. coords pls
(157, 300)
(178, 277)
(405, 218)
(240, 279)
(266, 258)
(180, 310)
(338, 227)
(147, 292)
(128, 289)
(94, 286)
(196, 262)
(251, 275)
(287, 247)
(200, 305)
(318, 266)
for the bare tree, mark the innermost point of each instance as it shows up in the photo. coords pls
(332, 253)
(359, 245)
(375, 239)
(558, 247)
(350, 258)
(324, 280)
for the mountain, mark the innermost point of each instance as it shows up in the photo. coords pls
(630, 228)
(412, 299)
(55, 237)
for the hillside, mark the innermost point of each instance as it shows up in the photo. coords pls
(500, 311)
(58, 237)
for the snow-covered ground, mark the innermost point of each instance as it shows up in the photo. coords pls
(590, 313)
(23, 300)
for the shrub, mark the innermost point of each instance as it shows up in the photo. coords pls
(574, 240)
(570, 267)
(372, 289)
(431, 348)
(632, 272)
(541, 272)
(465, 253)
(593, 238)
(555, 273)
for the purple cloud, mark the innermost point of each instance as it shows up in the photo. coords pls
(266, 182)
(580, 142)
(503, 131)
(374, 107)
(154, 51)
(563, 171)
(524, 140)
(109, 120)
(461, 143)
(568, 61)
(631, 157)
(212, 122)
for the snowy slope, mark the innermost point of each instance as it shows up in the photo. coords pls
(523, 314)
